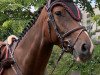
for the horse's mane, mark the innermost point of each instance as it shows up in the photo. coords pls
(31, 23)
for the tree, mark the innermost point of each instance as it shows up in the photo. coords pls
(14, 15)
(85, 4)
(96, 18)
(19, 11)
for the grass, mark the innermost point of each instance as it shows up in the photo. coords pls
(91, 67)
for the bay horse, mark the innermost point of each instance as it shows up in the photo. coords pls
(57, 24)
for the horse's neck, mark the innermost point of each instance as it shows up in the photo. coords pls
(33, 51)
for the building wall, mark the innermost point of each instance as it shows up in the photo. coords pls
(87, 21)
(96, 11)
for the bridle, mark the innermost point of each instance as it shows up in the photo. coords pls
(52, 22)
(61, 37)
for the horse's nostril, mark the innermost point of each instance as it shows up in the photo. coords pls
(65, 43)
(84, 48)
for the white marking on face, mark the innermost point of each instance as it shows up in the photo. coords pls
(78, 59)
(92, 46)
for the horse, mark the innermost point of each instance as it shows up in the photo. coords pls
(57, 24)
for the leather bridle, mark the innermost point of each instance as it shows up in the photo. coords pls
(61, 37)
(66, 34)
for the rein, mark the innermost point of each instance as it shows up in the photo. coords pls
(61, 37)
(9, 60)
(14, 66)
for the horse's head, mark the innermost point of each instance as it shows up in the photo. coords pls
(64, 18)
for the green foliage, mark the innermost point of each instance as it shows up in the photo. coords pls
(99, 37)
(14, 16)
(19, 10)
(86, 5)
(91, 67)
(12, 27)
(9, 5)
(38, 3)
(98, 3)
(96, 18)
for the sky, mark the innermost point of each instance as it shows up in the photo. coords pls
(93, 3)
(32, 9)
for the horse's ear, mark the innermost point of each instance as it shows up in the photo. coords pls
(50, 1)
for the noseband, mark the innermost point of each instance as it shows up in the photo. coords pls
(61, 37)
(66, 34)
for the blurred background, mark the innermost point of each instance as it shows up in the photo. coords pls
(16, 14)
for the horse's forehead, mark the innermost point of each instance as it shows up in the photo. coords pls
(71, 8)
(58, 8)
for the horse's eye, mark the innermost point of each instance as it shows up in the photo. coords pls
(58, 13)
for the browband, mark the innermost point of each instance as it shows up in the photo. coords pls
(69, 5)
